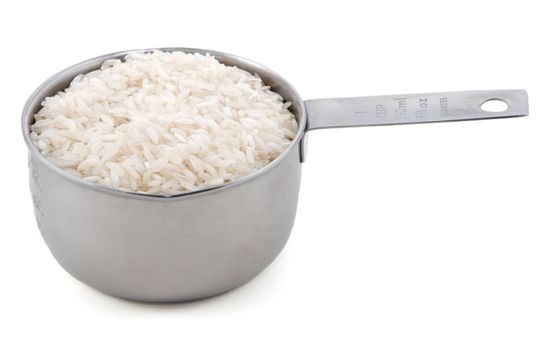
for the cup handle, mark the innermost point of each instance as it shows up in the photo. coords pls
(411, 109)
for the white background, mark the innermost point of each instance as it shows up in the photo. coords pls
(407, 237)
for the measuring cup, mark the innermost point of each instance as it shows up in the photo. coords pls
(202, 243)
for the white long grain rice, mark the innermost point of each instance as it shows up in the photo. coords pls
(164, 123)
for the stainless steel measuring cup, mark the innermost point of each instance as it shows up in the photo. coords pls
(206, 242)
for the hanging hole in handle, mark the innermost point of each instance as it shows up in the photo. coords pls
(494, 105)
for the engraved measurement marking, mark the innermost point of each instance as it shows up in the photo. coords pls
(381, 111)
(39, 211)
(38, 206)
(36, 186)
(35, 177)
(443, 106)
(422, 111)
(401, 107)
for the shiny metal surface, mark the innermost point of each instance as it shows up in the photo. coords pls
(412, 108)
(201, 243)
(166, 249)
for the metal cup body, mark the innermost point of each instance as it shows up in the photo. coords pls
(166, 249)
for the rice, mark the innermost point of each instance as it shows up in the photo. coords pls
(163, 123)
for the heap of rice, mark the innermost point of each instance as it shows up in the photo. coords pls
(164, 123)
